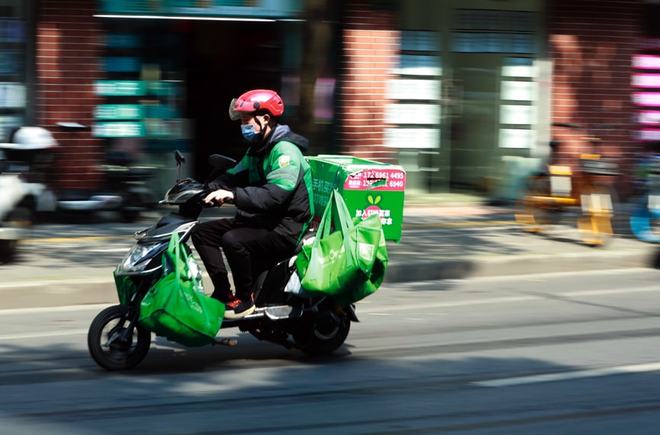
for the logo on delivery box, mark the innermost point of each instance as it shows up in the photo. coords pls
(374, 209)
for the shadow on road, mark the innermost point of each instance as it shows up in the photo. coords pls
(258, 387)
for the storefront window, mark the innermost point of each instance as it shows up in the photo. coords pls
(646, 77)
(142, 90)
(12, 65)
(167, 83)
(413, 117)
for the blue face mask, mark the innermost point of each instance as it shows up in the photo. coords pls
(248, 132)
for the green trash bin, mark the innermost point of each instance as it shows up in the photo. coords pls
(368, 187)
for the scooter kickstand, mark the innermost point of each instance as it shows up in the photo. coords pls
(226, 341)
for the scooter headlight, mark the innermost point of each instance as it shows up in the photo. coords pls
(138, 257)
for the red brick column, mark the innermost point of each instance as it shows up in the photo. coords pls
(68, 47)
(592, 43)
(371, 46)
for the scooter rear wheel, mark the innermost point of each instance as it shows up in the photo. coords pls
(107, 345)
(20, 217)
(322, 333)
(8, 250)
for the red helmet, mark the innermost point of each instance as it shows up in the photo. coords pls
(254, 101)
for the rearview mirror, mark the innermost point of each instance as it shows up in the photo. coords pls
(180, 159)
(220, 162)
(219, 165)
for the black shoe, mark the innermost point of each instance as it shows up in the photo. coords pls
(224, 296)
(238, 309)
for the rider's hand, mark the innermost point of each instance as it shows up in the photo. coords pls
(219, 197)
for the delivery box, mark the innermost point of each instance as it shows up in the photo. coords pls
(367, 186)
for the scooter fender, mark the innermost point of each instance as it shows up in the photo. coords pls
(44, 197)
(13, 191)
(350, 310)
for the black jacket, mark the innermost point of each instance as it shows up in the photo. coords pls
(272, 184)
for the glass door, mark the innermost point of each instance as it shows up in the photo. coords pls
(13, 93)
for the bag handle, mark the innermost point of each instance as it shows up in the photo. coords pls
(176, 252)
(343, 214)
(324, 226)
(336, 209)
(345, 222)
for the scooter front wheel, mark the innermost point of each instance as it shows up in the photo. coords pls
(112, 345)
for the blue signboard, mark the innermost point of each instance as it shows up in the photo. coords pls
(208, 8)
(11, 62)
(119, 129)
(119, 111)
(122, 40)
(121, 64)
(121, 88)
(12, 30)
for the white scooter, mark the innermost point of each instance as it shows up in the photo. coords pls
(15, 216)
(30, 151)
(27, 152)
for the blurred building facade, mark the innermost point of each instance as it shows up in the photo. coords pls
(457, 91)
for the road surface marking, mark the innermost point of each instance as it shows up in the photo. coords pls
(49, 282)
(109, 250)
(416, 227)
(65, 332)
(611, 291)
(450, 304)
(627, 270)
(578, 374)
(509, 299)
(65, 308)
(56, 240)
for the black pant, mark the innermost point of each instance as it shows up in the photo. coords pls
(249, 251)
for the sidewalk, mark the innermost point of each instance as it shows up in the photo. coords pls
(65, 264)
(465, 238)
(476, 249)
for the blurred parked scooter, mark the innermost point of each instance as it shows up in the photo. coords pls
(15, 215)
(31, 152)
(645, 216)
(583, 192)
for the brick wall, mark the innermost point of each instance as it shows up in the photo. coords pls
(592, 43)
(370, 44)
(68, 47)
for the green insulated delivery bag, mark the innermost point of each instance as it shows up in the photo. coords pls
(175, 308)
(368, 187)
(376, 273)
(345, 261)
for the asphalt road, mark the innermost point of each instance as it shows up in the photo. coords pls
(545, 354)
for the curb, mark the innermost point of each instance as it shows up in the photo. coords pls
(101, 289)
(481, 266)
